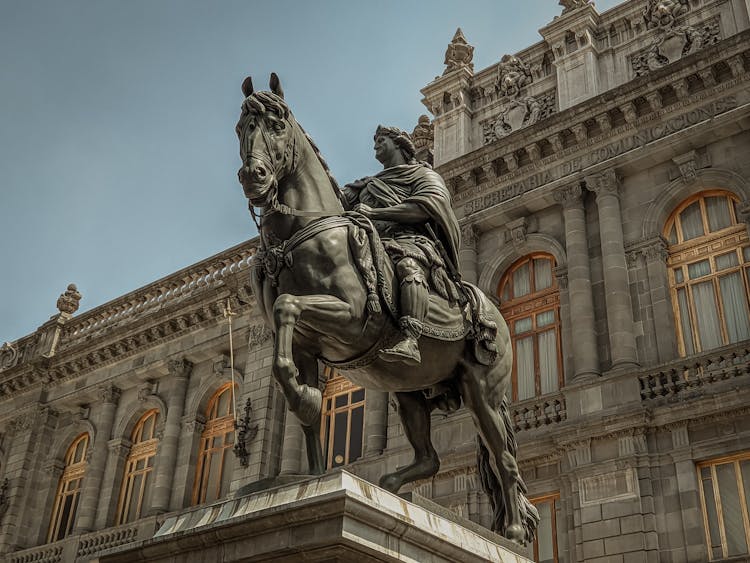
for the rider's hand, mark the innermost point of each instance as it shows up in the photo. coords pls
(365, 210)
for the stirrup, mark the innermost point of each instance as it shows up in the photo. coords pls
(406, 351)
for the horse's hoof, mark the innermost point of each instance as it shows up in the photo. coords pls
(516, 534)
(391, 483)
(310, 405)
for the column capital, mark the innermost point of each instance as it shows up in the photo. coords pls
(180, 367)
(193, 425)
(110, 394)
(653, 250)
(569, 196)
(605, 183)
(119, 447)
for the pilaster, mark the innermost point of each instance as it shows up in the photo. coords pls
(117, 452)
(105, 418)
(571, 37)
(179, 371)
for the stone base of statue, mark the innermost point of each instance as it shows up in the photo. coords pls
(334, 517)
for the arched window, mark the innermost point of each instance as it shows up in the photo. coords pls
(69, 490)
(530, 303)
(138, 479)
(342, 426)
(214, 462)
(709, 259)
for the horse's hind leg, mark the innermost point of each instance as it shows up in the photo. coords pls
(308, 366)
(414, 411)
(484, 404)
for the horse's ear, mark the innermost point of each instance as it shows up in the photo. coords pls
(275, 85)
(247, 86)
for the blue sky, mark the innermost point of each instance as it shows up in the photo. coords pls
(118, 157)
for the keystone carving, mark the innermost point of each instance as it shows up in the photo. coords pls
(459, 54)
(179, 367)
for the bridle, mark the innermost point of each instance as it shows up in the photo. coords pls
(287, 162)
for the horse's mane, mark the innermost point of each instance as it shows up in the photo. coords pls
(268, 101)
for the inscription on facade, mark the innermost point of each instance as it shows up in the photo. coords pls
(602, 153)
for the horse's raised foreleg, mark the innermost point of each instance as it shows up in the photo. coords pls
(323, 311)
(484, 405)
(414, 411)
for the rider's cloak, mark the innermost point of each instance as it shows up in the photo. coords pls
(419, 184)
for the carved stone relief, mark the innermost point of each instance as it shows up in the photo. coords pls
(570, 5)
(664, 13)
(517, 113)
(674, 42)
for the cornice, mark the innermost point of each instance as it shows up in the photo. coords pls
(117, 344)
(646, 87)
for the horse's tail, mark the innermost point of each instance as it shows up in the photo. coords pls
(492, 484)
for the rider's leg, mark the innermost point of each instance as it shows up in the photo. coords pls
(414, 302)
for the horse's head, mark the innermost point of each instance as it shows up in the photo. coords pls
(267, 134)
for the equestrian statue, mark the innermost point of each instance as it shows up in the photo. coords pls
(365, 279)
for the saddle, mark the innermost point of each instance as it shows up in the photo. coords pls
(446, 320)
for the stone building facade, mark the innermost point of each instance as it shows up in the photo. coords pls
(602, 181)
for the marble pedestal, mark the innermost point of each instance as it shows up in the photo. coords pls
(335, 517)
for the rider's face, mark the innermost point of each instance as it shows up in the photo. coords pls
(385, 148)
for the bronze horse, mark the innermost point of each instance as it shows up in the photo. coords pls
(313, 293)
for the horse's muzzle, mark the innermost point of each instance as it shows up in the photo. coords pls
(256, 179)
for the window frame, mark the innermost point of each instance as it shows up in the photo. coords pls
(735, 460)
(72, 471)
(216, 426)
(708, 246)
(336, 386)
(140, 449)
(531, 305)
(552, 498)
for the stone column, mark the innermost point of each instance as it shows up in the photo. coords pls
(92, 481)
(586, 356)
(376, 422)
(617, 291)
(655, 254)
(467, 255)
(291, 453)
(179, 370)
